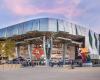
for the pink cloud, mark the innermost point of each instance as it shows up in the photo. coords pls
(21, 7)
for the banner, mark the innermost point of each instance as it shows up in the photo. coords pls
(38, 52)
(84, 53)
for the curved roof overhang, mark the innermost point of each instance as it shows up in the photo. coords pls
(36, 28)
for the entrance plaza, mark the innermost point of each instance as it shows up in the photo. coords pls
(46, 39)
(55, 73)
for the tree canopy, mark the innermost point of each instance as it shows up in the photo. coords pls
(7, 48)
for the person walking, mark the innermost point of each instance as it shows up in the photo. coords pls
(72, 64)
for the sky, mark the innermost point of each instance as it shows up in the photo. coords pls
(83, 12)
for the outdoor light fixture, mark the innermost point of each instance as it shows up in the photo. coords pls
(20, 42)
(64, 38)
(79, 43)
(31, 39)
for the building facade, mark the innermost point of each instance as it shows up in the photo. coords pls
(56, 37)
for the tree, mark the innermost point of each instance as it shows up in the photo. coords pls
(1, 48)
(7, 48)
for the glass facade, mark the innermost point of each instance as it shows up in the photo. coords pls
(11, 31)
(66, 25)
(20, 28)
(43, 24)
(3, 32)
(52, 25)
(61, 26)
(35, 25)
(27, 26)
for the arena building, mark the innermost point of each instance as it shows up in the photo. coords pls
(48, 38)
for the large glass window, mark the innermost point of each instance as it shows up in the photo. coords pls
(15, 30)
(66, 24)
(27, 26)
(20, 28)
(78, 30)
(83, 31)
(35, 25)
(73, 29)
(11, 31)
(3, 32)
(43, 24)
(52, 25)
(70, 28)
(61, 25)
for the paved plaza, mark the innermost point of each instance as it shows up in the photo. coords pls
(48, 73)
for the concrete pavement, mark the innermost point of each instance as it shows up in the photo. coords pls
(48, 73)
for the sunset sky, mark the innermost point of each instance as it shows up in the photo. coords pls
(84, 12)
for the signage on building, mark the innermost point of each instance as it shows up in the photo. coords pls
(38, 52)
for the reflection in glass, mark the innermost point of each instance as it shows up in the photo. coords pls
(20, 28)
(52, 25)
(61, 25)
(35, 25)
(44, 24)
(27, 26)
(12, 30)
(3, 32)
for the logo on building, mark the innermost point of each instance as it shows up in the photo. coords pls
(38, 52)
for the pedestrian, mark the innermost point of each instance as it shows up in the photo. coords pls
(72, 64)
(32, 63)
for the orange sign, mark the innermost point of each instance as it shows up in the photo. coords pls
(84, 52)
(38, 52)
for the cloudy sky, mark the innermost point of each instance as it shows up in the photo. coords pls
(84, 12)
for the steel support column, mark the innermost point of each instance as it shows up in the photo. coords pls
(51, 47)
(29, 51)
(17, 51)
(65, 52)
(44, 48)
